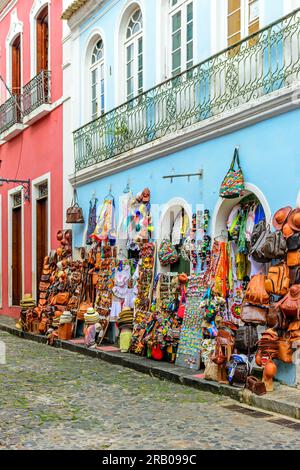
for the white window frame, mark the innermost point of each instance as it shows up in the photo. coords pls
(172, 10)
(99, 66)
(11, 193)
(16, 29)
(46, 178)
(37, 7)
(134, 41)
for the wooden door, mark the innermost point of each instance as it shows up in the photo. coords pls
(42, 36)
(16, 256)
(16, 66)
(41, 236)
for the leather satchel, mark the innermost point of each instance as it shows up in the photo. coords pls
(246, 339)
(83, 309)
(75, 213)
(285, 352)
(256, 292)
(278, 280)
(253, 314)
(256, 249)
(62, 298)
(290, 304)
(256, 386)
(295, 275)
(257, 232)
(293, 258)
(274, 245)
(293, 242)
(240, 375)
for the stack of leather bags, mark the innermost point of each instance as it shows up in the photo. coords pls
(294, 332)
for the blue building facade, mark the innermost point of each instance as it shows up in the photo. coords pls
(171, 88)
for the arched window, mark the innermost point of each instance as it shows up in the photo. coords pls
(97, 80)
(42, 41)
(181, 25)
(134, 55)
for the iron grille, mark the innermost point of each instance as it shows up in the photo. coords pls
(17, 200)
(10, 113)
(37, 92)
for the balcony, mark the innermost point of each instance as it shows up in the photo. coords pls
(37, 97)
(10, 118)
(21, 110)
(233, 79)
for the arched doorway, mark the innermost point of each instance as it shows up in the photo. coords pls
(174, 226)
(225, 206)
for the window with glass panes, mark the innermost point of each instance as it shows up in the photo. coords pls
(134, 55)
(242, 19)
(182, 35)
(97, 80)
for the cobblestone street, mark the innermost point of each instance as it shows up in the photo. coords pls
(54, 399)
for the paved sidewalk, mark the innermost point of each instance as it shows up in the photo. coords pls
(284, 400)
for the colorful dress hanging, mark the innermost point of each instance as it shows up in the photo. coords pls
(92, 221)
(105, 227)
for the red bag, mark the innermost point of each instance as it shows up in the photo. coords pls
(290, 304)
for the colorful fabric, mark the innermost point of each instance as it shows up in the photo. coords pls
(92, 221)
(105, 228)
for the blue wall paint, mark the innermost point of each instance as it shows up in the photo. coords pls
(270, 158)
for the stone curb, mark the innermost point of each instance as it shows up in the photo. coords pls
(168, 372)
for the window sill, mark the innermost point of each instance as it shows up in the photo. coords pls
(37, 114)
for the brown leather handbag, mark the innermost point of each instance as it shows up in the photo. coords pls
(256, 292)
(293, 258)
(75, 213)
(253, 314)
(290, 304)
(285, 352)
(256, 386)
(83, 309)
(62, 298)
(278, 280)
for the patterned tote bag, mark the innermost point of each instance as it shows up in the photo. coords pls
(233, 185)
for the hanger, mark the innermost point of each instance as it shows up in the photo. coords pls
(127, 189)
(109, 195)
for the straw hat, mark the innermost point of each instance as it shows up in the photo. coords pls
(294, 220)
(91, 317)
(66, 317)
(281, 216)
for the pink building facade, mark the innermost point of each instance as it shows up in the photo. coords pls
(30, 143)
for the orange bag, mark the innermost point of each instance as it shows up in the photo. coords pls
(256, 292)
(278, 280)
(293, 258)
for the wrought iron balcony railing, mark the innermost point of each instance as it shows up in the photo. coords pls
(10, 113)
(37, 92)
(256, 66)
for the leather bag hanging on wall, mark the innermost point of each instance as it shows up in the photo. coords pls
(256, 292)
(278, 280)
(75, 213)
(293, 258)
(254, 315)
(274, 245)
(290, 304)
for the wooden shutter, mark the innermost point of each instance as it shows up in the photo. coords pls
(42, 41)
(16, 66)
(234, 22)
(16, 256)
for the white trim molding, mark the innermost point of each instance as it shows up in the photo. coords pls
(36, 8)
(268, 106)
(16, 28)
(35, 192)
(10, 195)
(224, 206)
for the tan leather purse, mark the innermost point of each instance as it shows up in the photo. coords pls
(293, 258)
